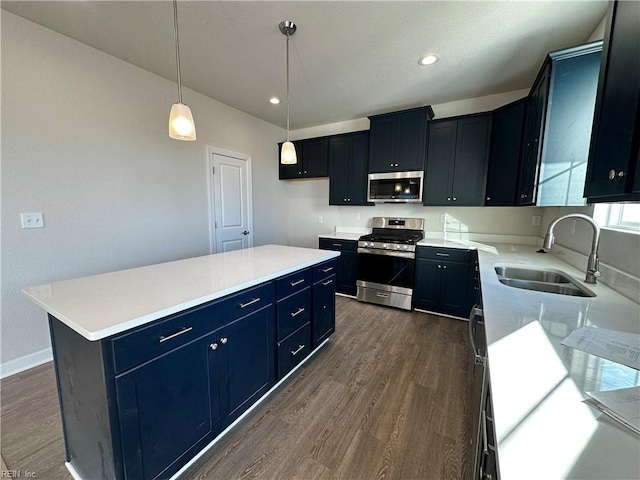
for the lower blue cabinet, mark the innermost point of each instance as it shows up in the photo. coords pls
(245, 362)
(168, 408)
(324, 310)
(178, 402)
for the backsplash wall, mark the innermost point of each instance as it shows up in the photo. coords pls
(308, 202)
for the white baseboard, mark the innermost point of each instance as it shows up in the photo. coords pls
(25, 363)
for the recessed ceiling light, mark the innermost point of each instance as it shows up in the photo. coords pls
(274, 100)
(429, 59)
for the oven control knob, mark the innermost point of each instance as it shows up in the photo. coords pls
(405, 247)
(384, 245)
(397, 246)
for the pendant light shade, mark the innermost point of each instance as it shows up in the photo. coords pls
(181, 124)
(288, 153)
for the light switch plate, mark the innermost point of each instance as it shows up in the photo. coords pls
(32, 220)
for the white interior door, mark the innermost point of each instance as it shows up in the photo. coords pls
(231, 198)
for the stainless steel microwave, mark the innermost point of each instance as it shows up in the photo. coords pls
(396, 187)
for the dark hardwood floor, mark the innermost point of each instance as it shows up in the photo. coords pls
(385, 398)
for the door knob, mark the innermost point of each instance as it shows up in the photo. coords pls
(246, 232)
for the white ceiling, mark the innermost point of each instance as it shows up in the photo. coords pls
(348, 59)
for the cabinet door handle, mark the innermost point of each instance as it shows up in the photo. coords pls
(442, 254)
(297, 282)
(213, 346)
(300, 310)
(476, 312)
(174, 335)
(454, 199)
(328, 282)
(297, 350)
(444, 266)
(336, 245)
(224, 340)
(485, 441)
(325, 270)
(251, 302)
(439, 266)
(613, 174)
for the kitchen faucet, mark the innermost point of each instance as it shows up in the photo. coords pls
(592, 265)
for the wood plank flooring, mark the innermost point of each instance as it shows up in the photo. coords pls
(385, 399)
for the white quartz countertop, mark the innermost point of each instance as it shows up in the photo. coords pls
(99, 306)
(543, 430)
(341, 235)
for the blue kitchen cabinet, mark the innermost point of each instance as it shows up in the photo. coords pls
(348, 158)
(398, 140)
(444, 281)
(168, 409)
(347, 263)
(312, 155)
(504, 157)
(324, 303)
(245, 362)
(457, 160)
(174, 405)
(613, 171)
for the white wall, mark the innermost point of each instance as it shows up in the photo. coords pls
(84, 140)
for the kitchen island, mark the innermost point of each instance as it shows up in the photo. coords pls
(154, 364)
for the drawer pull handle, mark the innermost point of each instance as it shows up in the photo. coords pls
(328, 282)
(442, 254)
(295, 314)
(298, 282)
(338, 244)
(326, 270)
(255, 300)
(174, 335)
(297, 350)
(382, 294)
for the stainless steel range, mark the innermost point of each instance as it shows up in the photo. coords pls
(386, 261)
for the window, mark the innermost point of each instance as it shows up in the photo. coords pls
(623, 216)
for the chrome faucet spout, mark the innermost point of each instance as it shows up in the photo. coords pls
(593, 264)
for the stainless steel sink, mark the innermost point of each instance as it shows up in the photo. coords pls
(550, 281)
(544, 276)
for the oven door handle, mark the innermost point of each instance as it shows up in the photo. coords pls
(389, 253)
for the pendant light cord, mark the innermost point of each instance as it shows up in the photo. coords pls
(287, 86)
(175, 31)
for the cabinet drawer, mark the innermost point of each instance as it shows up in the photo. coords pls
(338, 245)
(445, 254)
(324, 270)
(144, 343)
(293, 349)
(293, 312)
(293, 283)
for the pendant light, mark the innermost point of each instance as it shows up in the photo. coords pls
(288, 153)
(181, 125)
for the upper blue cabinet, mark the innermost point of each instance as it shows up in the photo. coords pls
(397, 141)
(613, 173)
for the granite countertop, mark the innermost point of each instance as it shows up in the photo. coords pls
(99, 306)
(543, 430)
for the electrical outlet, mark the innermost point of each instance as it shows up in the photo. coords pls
(357, 215)
(535, 220)
(319, 218)
(32, 220)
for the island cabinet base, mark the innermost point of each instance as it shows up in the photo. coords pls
(144, 403)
